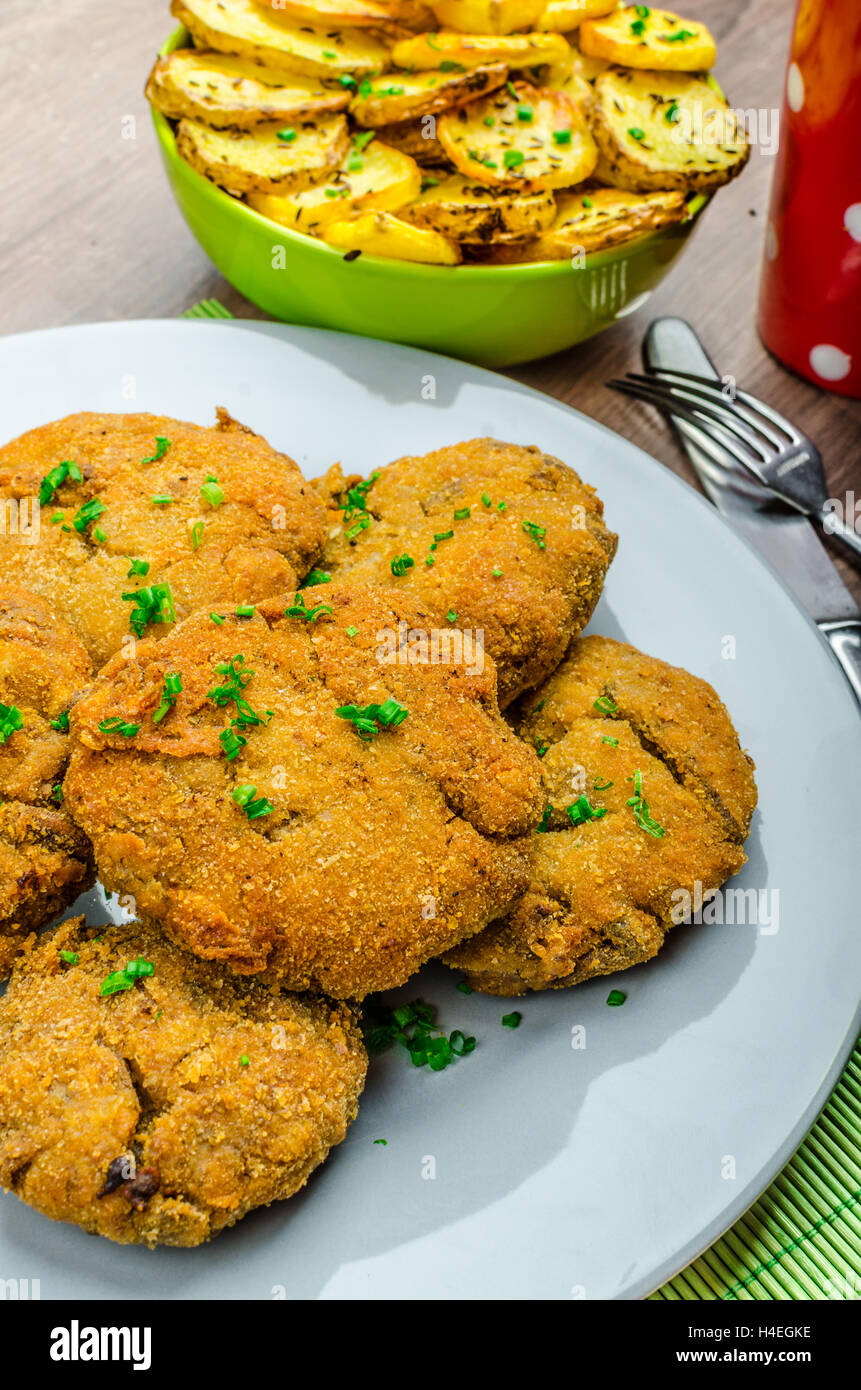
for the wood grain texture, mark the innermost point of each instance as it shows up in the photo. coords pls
(90, 231)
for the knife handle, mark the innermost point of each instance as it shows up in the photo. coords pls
(833, 526)
(844, 640)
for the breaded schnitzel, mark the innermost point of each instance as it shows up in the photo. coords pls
(159, 1104)
(505, 538)
(647, 793)
(133, 502)
(45, 860)
(299, 803)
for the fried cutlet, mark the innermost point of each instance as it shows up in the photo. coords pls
(306, 805)
(45, 859)
(159, 1104)
(216, 514)
(506, 539)
(647, 795)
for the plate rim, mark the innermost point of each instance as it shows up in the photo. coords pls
(639, 1288)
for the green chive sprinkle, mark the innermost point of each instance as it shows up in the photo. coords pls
(172, 687)
(606, 705)
(70, 957)
(451, 616)
(486, 500)
(197, 535)
(562, 137)
(613, 742)
(352, 630)
(299, 609)
(90, 512)
(412, 1027)
(161, 499)
(116, 725)
(367, 720)
(212, 493)
(161, 447)
(511, 1020)
(61, 724)
(138, 567)
(245, 610)
(580, 811)
(616, 997)
(55, 479)
(217, 618)
(461, 513)
(253, 805)
(401, 564)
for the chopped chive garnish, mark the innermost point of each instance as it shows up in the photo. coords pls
(524, 113)
(161, 499)
(580, 811)
(678, 37)
(600, 786)
(352, 630)
(90, 511)
(11, 719)
(461, 513)
(116, 725)
(540, 747)
(212, 493)
(412, 1027)
(381, 1141)
(238, 678)
(367, 720)
(544, 823)
(637, 27)
(502, 506)
(535, 533)
(56, 795)
(161, 447)
(151, 605)
(197, 531)
(671, 115)
(57, 517)
(124, 979)
(463, 988)
(616, 997)
(140, 968)
(511, 1020)
(217, 618)
(562, 137)
(359, 526)
(245, 610)
(486, 500)
(253, 805)
(243, 1060)
(451, 616)
(172, 687)
(232, 742)
(61, 724)
(99, 535)
(287, 134)
(606, 705)
(512, 90)
(613, 742)
(497, 573)
(70, 957)
(401, 564)
(361, 141)
(536, 709)
(316, 577)
(55, 479)
(299, 609)
(587, 202)
(442, 536)
(636, 133)
(356, 497)
(512, 159)
(137, 567)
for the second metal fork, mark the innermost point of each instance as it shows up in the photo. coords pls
(771, 449)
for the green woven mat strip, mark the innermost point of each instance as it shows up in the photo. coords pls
(207, 309)
(802, 1239)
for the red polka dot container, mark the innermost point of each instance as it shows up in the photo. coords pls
(810, 292)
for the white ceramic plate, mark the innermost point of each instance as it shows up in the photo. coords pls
(560, 1172)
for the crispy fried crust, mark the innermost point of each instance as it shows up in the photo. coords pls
(540, 599)
(376, 855)
(604, 893)
(268, 529)
(45, 860)
(154, 1075)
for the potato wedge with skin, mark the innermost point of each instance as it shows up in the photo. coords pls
(376, 176)
(383, 234)
(402, 97)
(521, 137)
(247, 30)
(472, 50)
(560, 16)
(220, 90)
(487, 16)
(415, 138)
(599, 218)
(244, 161)
(660, 40)
(467, 212)
(664, 130)
(325, 13)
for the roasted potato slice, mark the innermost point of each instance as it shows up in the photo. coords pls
(472, 50)
(664, 130)
(249, 31)
(640, 37)
(410, 14)
(223, 91)
(383, 234)
(574, 64)
(560, 16)
(598, 218)
(521, 137)
(487, 16)
(415, 138)
(467, 212)
(374, 176)
(268, 159)
(400, 97)
(329, 13)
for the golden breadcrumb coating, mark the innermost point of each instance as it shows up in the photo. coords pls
(375, 856)
(605, 891)
(45, 860)
(527, 569)
(161, 1114)
(267, 530)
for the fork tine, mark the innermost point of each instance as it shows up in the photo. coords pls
(675, 405)
(729, 411)
(753, 402)
(706, 412)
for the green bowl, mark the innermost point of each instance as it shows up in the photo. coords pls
(492, 315)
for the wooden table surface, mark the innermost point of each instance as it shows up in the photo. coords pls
(90, 230)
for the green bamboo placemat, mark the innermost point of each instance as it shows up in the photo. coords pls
(802, 1239)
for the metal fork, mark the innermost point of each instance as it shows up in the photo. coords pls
(765, 443)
